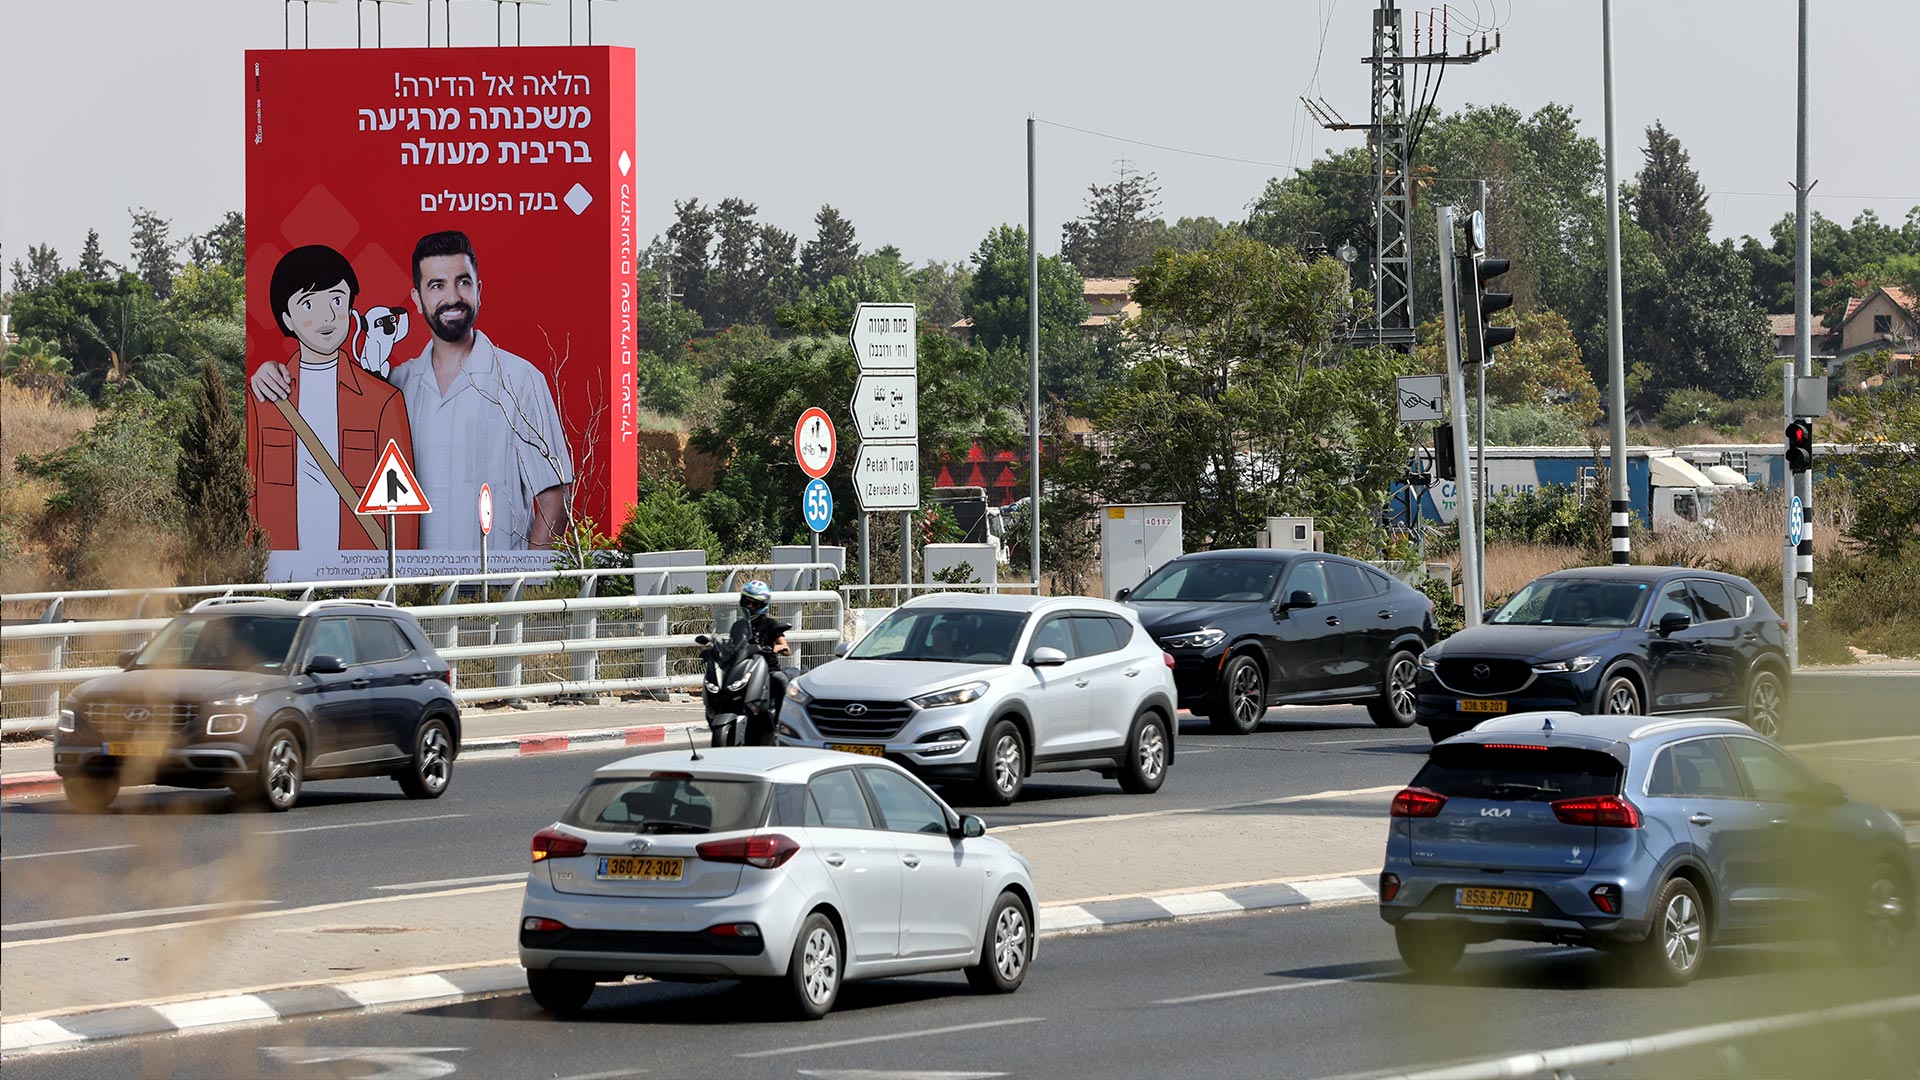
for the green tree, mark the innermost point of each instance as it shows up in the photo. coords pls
(940, 290)
(153, 251)
(223, 246)
(94, 265)
(1884, 426)
(997, 295)
(35, 364)
(689, 238)
(1117, 232)
(41, 269)
(214, 488)
(668, 518)
(833, 250)
(115, 503)
(1667, 200)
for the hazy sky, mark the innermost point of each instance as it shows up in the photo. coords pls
(909, 116)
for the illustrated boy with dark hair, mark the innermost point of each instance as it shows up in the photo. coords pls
(310, 449)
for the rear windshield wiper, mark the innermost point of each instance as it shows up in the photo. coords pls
(670, 827)
(1515, 785)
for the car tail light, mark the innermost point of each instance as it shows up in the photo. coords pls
(539, 925)
(1606, 898)
(766, 851)
(735, 929)
(446, 676)
(1168, 657)
(554, 844)
(1389, 886)
(1511, 746)
(1418, 802)
(1603, 811)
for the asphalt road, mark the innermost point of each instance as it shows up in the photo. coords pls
(1301, 993)
(160, 849)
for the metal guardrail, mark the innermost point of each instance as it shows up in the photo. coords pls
(898, 593)
(488, 641)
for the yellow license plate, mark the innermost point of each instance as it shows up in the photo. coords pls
(859, 748)
(1493, 899)
(630, 868)
(1482, 705)
(146, 748)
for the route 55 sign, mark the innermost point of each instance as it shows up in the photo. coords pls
(816, 505)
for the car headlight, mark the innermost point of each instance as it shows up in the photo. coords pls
(67, 721)
(1205, 638)
(739, 682)
(1575, 665)
(959, 695)
(226, 723)
(942, 742)
(236, 700)
(797, 695)
(1427, 662)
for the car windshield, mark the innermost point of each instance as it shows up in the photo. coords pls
(670, 803)
(1519, 772)
(1213, 580)
(1574, 602)
(949, 635)
(222, 643)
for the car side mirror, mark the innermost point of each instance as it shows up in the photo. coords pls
(1673, 622)
(127, 657)
(970, 827)
(326, 664)
(1122, 595)
(1829, 794)
(1487, 615)
(1298, 598)
(1047, 656)
(841, 649)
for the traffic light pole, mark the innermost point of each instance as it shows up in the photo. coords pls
(1799, 562)
(1621, 509)
(1472, 598)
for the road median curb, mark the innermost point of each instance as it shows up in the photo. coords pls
(61, 1031)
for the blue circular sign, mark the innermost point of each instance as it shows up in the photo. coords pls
(816, 505)
(1796, 521)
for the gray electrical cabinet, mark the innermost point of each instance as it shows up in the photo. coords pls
(1290, 533)
(1135, 540)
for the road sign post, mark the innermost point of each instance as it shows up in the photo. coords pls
(392, 490)
(886, 413)
(486, 530)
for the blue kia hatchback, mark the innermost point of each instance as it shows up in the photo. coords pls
(1653, 838)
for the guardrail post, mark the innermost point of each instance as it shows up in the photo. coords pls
(507, 668)
(585, 627)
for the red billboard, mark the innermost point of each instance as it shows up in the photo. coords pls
(440, 254)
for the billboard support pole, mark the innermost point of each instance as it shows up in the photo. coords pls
(866, 570)
(392, 557)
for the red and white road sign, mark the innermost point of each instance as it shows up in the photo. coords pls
(392, 489)
(814, 443)
(486, 510)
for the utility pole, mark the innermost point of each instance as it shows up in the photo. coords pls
(1480, 425)
(1391, 281)
(1033, 356)
(1472, 598)
(1798, 578)
(1616, 343)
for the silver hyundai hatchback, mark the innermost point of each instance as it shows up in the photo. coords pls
(987, 690)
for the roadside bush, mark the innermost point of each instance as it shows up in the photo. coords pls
(1535, 425)
(1546, 515)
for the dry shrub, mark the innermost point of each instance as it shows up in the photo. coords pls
(33, 422)
(1509, 566)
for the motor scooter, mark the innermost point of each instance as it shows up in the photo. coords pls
(735, 686)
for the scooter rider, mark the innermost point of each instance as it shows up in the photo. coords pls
(756, 600)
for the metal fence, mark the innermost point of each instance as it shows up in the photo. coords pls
(552, 635)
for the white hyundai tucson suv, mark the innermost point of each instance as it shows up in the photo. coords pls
(987, 690)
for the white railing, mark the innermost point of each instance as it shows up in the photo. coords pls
(488, 641)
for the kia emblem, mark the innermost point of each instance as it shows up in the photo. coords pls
(856, 709)
(1482, 672)
(137, 716)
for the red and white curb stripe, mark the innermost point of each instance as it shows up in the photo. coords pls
(663, 736)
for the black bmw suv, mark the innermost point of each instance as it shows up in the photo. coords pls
(260, 696)
(1626, 640)
(1253, 627)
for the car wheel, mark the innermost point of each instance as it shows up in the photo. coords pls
(1243, 698)
(276, 781)
(1766, 704)
(562, 993)
(1006, 949)
(1429, 951)
(90, 794)
(1671, 953)
(813, 974)
(1394, 707)
(1885, 918)
(1003, 764)
(1146, 766)
(1619, 696)
(432, 767)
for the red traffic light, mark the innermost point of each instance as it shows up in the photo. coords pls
(1799, 446)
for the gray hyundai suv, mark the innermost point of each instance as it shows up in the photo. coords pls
(262, 695)
(987, 690)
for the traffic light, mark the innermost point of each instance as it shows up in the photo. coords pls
(1799, 446)
(1480, 305)
(1443, 452)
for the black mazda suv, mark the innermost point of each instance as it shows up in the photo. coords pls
(1626, 640)
(1252, 627)
(262, 695)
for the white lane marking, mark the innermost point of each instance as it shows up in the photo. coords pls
(921, 1034)
(614, 1075)
(396, 1062)
(235, 1009)
(1346, 888)
(895, 1074)
(123, 916)
(70, 851)
(21, 1035)
(505, 962)
(1221, 995)
(404, 988)
(356, 824)
(520, 875)
(1376, 742)
(1311, 797)
(1198, 903)
(1066, 917)
(32, 943)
